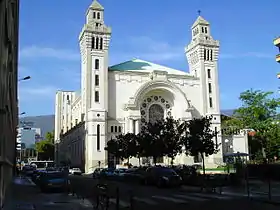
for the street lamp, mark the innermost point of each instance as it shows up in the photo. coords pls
(24, 78)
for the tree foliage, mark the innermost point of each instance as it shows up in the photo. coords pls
(259, 113)
(165, 138)
(45, 148)
(199, 138)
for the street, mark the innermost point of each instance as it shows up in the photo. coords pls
(149, 197)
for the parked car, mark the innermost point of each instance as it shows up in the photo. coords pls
(107, 172)
(28, 170)
(162, 177)
(119, 173)
(136, 175)
(49, 180)
(75, 171)
(96, 173)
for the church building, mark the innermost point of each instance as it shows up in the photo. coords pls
(120, 98)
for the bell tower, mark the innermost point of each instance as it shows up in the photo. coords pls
(94, 45)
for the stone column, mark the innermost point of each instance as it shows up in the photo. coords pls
(131, 125)
(137, 126)
(126, 125)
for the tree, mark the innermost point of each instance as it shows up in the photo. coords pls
(171, 138)
(45, 148)
(113, 148)
(258, 112)
(151, 140)
(199, 138)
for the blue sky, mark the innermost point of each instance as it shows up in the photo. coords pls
(153, 30)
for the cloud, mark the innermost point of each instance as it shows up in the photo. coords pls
(246, 55)
(150, 49)
(48, 52)
(38, 91)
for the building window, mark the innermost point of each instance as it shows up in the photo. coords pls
(116, 129)
(202, 29)
(210, 87)
(92, 42)
(98, 137)
(101, 43)
(210, 102)
(96, 96)
(211, 55)
(112, 129)
(96, 80)
(96, 43)
(94, 15)
(209, 73)
(67, 98)
(120, 129)
(98, 15)
(205, 30)
(205, 56)
(96, 64)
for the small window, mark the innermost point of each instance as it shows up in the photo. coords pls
(120, 129)
(202, 29)
(67, 98)
(210, 102)
(101, 43)
(98, 137)
(205, 56)
(209, 73)
(96, 80)
(210, 87)
(112, 129)
(116, 129)
(96, 96)
(97, 43)
(96, 64)
(211, 55)
(94, 15)
(96, 24)
(98, 15)
(205, 30)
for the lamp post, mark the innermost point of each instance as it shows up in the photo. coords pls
(24, 78)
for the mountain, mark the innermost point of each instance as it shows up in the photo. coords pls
(44, 122)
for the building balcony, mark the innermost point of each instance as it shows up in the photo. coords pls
(276, 42)
(278, 58)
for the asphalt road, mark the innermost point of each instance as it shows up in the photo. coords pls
(149, 197)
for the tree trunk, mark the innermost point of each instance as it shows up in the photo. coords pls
(203, 164)
(139, 161)
(155, 160)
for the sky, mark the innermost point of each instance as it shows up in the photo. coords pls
(152, 30)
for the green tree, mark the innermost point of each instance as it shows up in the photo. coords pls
(258, 112)
(151, 140)
(171, 138)
(114, 148)
(199, 138)
(45, 148)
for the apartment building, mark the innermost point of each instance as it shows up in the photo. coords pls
(9, 20)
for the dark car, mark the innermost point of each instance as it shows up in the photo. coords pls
(49, 180)
(107, 172)
(162, 177)
(136, 175)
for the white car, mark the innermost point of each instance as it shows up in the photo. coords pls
(75, 171)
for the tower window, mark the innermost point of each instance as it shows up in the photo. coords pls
(202, 29)
(205, 30)
(94, 15)
(92, 42)
(98, 15)
(211, 55)
(112, 129)
(98, 137)
(209, 73)
(96, 80)
(210, 102)
(96, 96)
(116, 129)
(97, 43)
(96, 64)
(205, 54)
(209, 87)
(101, 43)
(120, 129)
(208, 55)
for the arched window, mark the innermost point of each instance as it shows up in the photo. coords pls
(208, 56)
(156, 113)
(96, 64)
(98, 137)
(205, 30)
(98, 15)
(202, 29)
(101, 43)
(211, 55)
(205, 56)
(97, 43)
(120, 129)
(94, 15)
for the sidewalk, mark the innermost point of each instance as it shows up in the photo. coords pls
(25, 195)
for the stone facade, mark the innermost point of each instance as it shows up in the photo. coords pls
(8, 91)
(119, 98)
